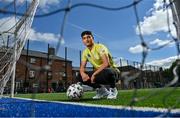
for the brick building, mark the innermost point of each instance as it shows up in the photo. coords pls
(146, 79)
(58, 77)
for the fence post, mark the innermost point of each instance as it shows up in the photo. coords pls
(120, 62)
(47, 71)
(66, 75)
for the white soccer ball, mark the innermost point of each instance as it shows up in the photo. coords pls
(75, 91)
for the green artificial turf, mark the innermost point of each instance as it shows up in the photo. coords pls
(157, 97)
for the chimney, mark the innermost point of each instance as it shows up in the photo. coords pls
(51, 51)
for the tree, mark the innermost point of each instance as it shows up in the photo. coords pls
(168, 73)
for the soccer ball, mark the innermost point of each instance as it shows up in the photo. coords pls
(75, 91)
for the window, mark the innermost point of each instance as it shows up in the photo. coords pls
(50, 75)
(64, 64)
(32, 60)
(63, 74)
(77, 73)
(35, 85)
(31, 74)
(17, 85)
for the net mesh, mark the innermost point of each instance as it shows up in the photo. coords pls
(16, 37)
(142, 71)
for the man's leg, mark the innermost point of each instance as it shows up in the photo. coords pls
(88, 82)
(108, 77)
(101, 91)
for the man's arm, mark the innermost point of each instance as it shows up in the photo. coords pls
(84, 76)
(104, 65)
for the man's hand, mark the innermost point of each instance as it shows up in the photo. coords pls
(92, 78)
(85, 77)
(104, 65)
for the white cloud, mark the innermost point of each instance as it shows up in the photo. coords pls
(137, 49)
(43, 4)
(157, 22)
(8, 22)
(159, 42)
(44, 37)
(166, 63)
(158, 4)
(17, 1)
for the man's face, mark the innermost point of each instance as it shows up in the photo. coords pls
(88, 40)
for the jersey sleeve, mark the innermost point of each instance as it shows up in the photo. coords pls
(84, 58)
(103, 50)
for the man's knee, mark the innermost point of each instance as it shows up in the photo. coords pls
(108, 72)
(103, 76)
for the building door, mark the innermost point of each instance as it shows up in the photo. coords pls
(54, 85)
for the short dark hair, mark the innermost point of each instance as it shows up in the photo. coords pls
(86, 33)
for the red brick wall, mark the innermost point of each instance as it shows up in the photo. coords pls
(41, 77)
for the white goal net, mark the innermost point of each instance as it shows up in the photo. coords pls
(15, 37)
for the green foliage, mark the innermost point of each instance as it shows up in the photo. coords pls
(168, 73)
(174, 64)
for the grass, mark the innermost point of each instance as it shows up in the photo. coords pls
(158, 98)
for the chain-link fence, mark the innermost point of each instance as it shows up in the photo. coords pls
(65, 68)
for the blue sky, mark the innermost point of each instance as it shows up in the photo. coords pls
(116, 29)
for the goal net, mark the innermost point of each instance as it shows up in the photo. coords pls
(11, 44)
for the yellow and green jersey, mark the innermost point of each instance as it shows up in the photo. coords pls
(94, 55)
